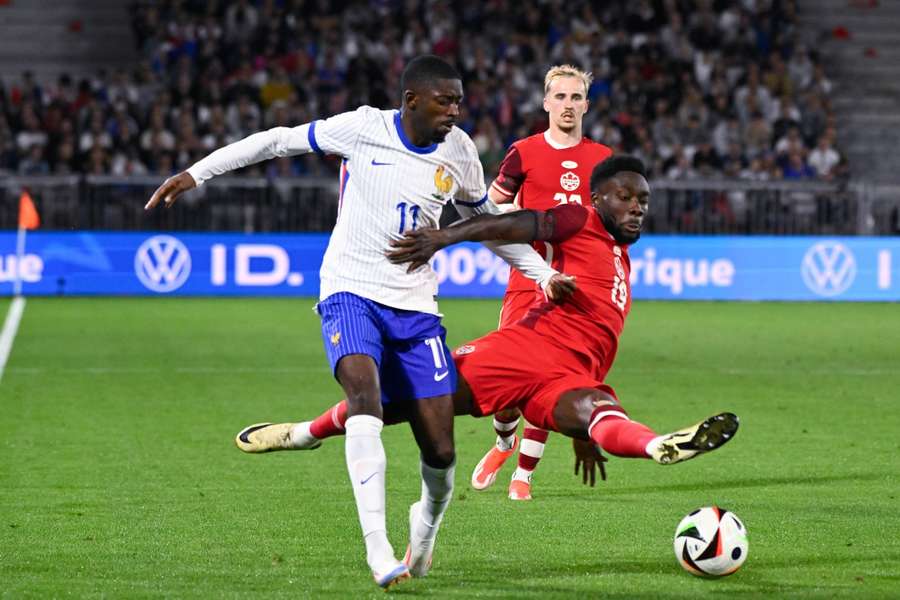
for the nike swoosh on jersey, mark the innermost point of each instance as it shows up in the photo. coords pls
(375, 163)
(441, 376)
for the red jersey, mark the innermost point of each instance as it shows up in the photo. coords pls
(582, 247)
(556, 347)
(543, 177)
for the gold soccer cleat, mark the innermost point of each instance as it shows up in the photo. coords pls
(268, 437)
(705, 436)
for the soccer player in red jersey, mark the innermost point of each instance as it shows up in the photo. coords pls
(552, 363)
(538, 173)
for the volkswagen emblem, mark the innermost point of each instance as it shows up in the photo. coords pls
(828, 268)
(162, 263)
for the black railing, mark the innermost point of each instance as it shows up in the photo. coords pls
(253, 205)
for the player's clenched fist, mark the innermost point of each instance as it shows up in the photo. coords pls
(170, 189)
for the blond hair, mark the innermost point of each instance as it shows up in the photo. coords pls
(567, 71)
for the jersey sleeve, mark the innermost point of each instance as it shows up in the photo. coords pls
(511, 175)
(338, 134)
(561, 222)
(471, 191)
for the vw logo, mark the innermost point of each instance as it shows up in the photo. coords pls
(828, 268)
(162, 263)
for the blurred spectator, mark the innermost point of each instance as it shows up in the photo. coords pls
(757, 135)
(34, 163)
(727, 135)
(157, 137)
(790, 142)
(796, 167)
(31, 133)
(824, 158)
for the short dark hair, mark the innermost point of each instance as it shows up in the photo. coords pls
(425, 69)
(614, 165)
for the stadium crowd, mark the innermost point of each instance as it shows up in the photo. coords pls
(696, 88)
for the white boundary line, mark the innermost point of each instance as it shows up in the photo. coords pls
(10, 328)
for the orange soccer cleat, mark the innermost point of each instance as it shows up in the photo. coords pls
(519, 490)
(485, 473)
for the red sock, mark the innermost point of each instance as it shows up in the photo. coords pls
(331, 422)
(620, 436)
(532, 448)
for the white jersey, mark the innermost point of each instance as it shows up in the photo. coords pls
(388, 187)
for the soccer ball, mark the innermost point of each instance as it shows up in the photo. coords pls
(711, 541)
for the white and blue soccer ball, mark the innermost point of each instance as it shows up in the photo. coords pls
(711, 542)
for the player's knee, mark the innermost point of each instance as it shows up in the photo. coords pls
(361, 402)
(576, 408)
(440, 456)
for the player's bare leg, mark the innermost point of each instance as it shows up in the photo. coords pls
(505, 424)
(431, 421)
(594, 414)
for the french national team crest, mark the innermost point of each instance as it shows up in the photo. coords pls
(443, 181)
(569, 181)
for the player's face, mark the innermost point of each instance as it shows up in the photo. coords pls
(622, 202)
(566, 103)
(435, 109)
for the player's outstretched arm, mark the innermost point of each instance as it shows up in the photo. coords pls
(278, 141)
(418, 246)
(511, 229)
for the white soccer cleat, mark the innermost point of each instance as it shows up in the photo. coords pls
(419, 552)
(392, 577)
(269, 437)
(705, 436)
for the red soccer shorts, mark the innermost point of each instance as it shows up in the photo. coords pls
(515, 305)
(515, 367)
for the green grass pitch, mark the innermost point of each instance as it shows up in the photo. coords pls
(118, 476)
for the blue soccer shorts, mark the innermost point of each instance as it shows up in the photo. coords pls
(409, 347)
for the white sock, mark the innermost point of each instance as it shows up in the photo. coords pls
(652, 444)
(437, 489)
(505, 444)
(367, 463)
(300, 437)
(521, 474)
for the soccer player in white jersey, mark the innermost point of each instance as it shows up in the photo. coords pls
(380, 323)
